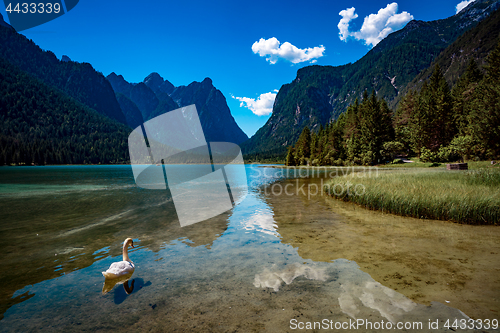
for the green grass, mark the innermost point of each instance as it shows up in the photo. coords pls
(418, 164)
(483, 164)
(471, 197)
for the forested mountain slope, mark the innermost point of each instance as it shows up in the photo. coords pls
(79, 80)
(319, 94)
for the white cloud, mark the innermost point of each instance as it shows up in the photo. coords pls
(261, 222)
(261, 106)
(347, 15)
(375, 26)
(462, 5)
(272, 50)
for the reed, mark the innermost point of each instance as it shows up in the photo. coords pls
(471, 197)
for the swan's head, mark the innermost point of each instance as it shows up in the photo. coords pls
(128, 241)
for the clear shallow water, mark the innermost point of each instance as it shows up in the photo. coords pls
(60, 227)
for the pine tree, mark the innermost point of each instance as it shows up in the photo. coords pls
(290, 159)
(462, 94)
(493, 67)
(437, 104)
(375, 128)
(484, 111)
(431, 124)
(303, 146)
(351, 131)
(444, 130)
(402, 119)
(314, 148)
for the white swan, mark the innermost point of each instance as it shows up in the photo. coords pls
(120, 268)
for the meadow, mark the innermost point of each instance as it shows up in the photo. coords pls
(470, 197)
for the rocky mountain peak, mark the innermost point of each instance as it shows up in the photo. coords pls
(153, 81)
(216, 120)
(157, 84)
(119, 84)
(207, 82)
(5, 24)
(155, 96)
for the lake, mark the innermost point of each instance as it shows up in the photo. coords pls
(284, 258)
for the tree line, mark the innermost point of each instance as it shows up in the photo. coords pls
(437, 124)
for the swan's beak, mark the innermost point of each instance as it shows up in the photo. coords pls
(132, 245)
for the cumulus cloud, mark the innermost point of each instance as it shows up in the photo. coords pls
(463, 4)
(375, 26)
(347, 15)
(272, 50)
(261, 106)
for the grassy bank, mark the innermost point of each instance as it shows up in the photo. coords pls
(471, 197)
(417, 164)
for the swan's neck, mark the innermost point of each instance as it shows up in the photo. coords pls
(125, 252)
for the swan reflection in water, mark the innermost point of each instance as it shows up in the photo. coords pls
(109, 284)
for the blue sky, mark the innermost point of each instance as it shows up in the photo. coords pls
(248, 48)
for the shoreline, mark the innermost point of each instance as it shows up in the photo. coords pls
(466, 197)
(426, 260)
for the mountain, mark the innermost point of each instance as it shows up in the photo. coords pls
(155, 96)
(319, 94)
(156, 83)
(475, 44)
(5, 24)
(55, 111)
(130, 110)
(62, 112)
(78, 80)
(40, 124)
(216, 120)
(119, 84)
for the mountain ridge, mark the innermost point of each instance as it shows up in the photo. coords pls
(67, 112)
(473, 44)
(155, 96)
(78, 80)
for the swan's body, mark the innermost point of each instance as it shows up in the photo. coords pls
(124, 267)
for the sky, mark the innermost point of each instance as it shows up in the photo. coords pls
(248, 48)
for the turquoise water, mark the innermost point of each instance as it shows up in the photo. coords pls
(61, 226)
